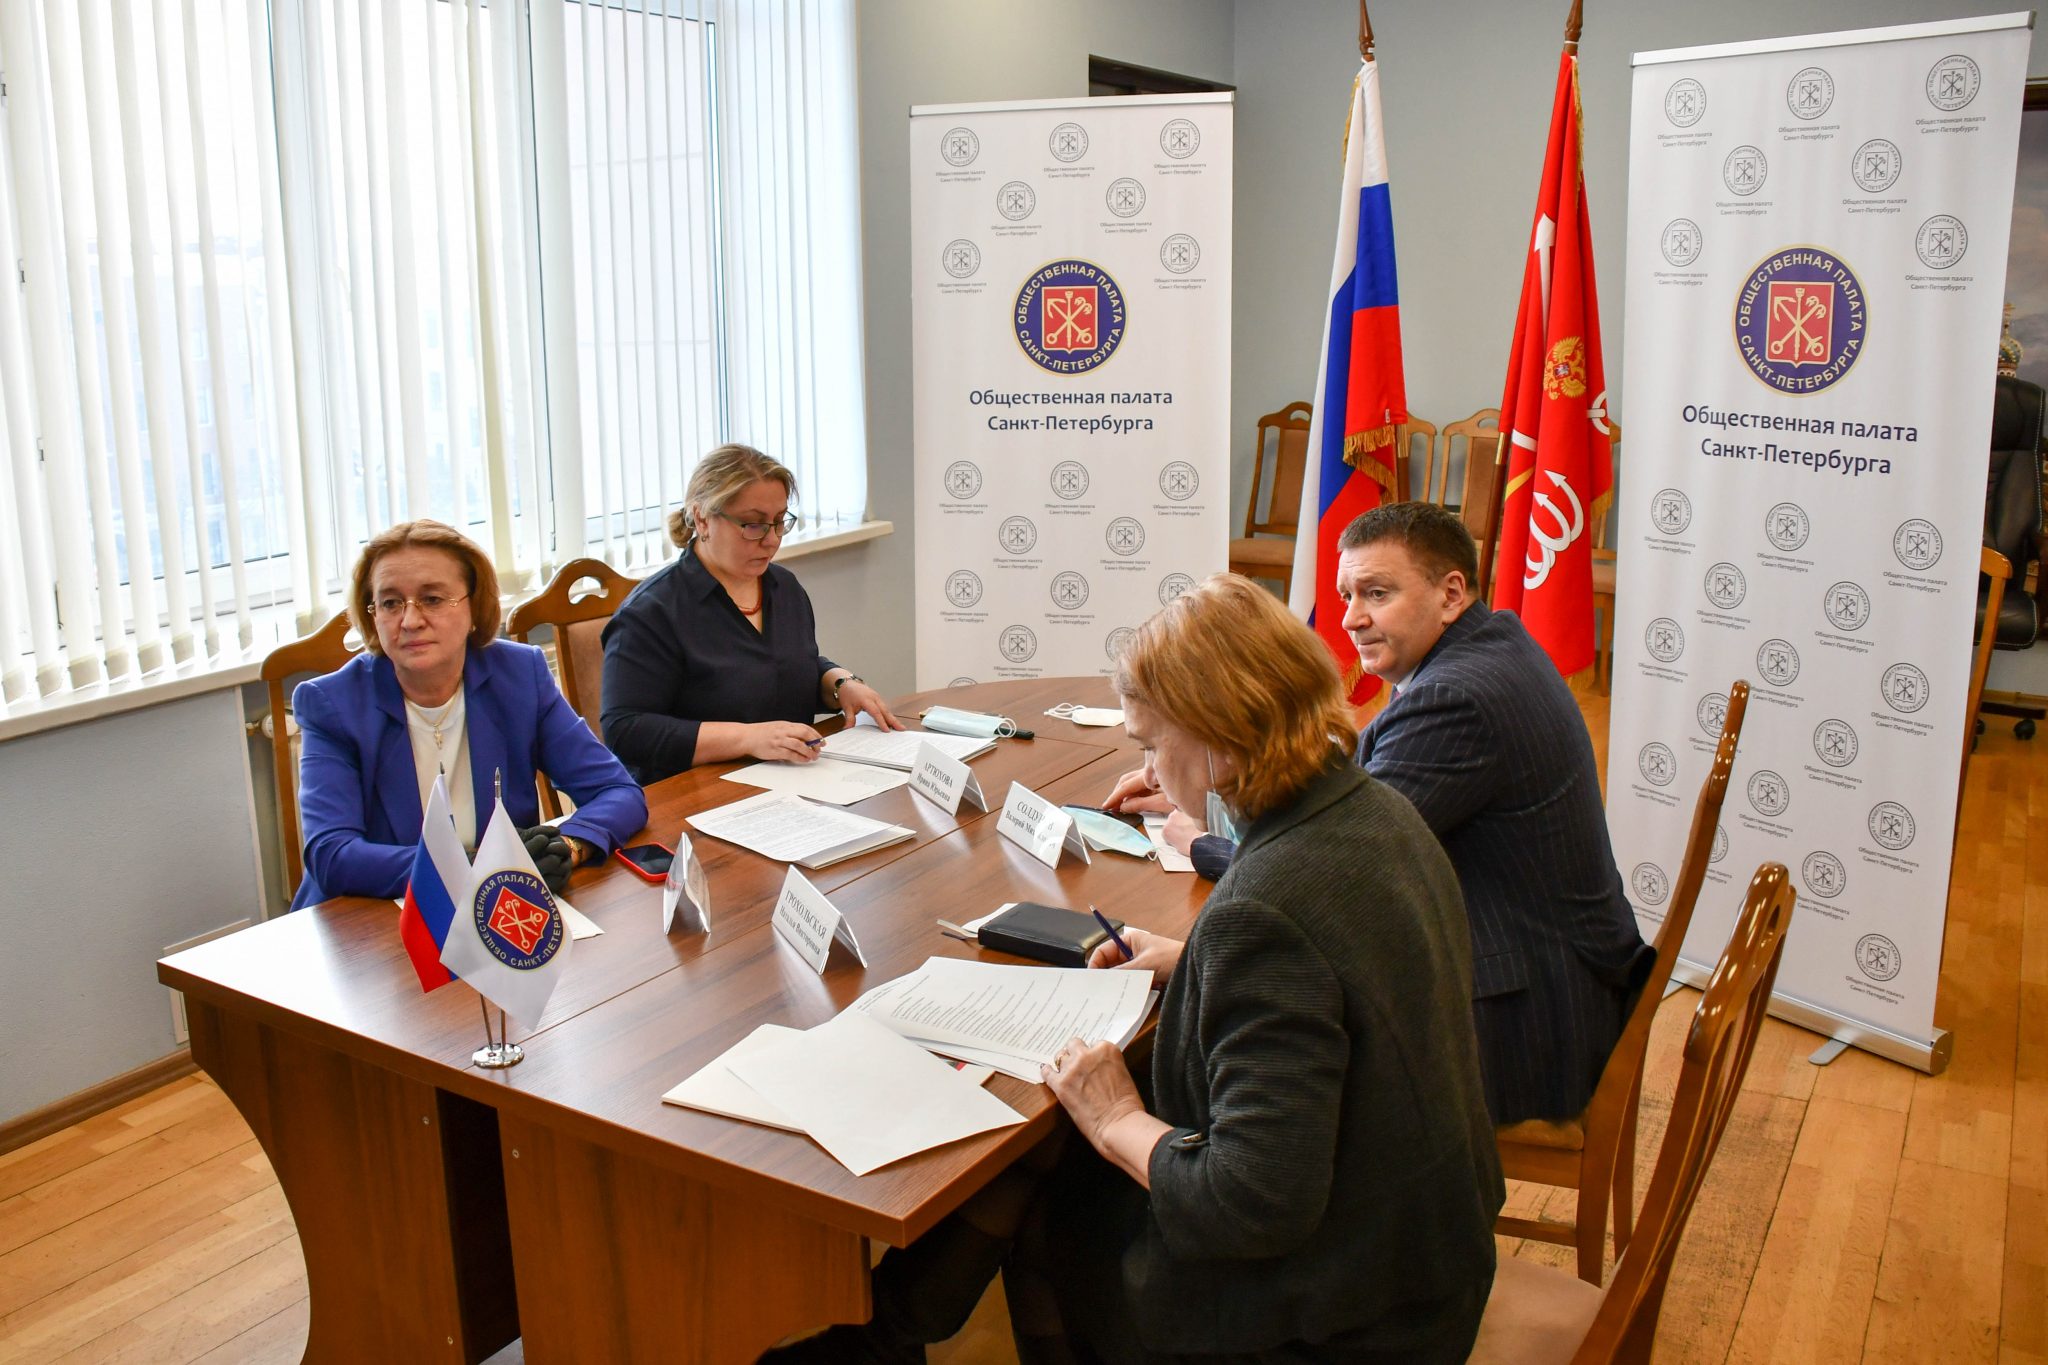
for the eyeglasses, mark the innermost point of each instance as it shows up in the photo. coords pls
(758, 530)
(429, 604)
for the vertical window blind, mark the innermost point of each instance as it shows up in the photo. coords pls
(290, 271)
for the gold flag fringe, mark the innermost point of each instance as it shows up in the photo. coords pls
(1356, 448)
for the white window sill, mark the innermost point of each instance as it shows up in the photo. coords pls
(234, 667)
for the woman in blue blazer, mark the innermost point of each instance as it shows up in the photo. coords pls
(435, 692)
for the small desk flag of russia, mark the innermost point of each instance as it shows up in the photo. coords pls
(508, 938)
(440, 882)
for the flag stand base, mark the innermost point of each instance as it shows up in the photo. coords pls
(497, 1056)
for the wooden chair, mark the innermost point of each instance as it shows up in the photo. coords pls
(321, 652)
(1595, 1152)
(1270, 557)
(1476, 441)
(1405, 436)
(577, 623)
(1603, 577)
(1998, 569)
(1537, 1315)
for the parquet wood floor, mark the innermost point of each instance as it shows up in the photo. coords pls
(1858, 1212)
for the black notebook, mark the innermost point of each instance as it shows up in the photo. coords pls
(1044, 933)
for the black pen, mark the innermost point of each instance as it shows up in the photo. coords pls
(1114, 936)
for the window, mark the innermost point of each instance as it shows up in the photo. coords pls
(294, 270)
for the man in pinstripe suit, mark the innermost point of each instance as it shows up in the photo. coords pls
(1483, 736)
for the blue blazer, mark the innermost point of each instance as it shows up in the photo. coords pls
(359, 794)
(1487, 742)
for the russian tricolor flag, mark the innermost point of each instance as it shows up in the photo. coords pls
(1360, 393)
(440, 882)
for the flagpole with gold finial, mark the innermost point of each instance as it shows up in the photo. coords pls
(1574, 24)
(1364, 33)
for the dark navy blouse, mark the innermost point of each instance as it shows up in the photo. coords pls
(680, 652)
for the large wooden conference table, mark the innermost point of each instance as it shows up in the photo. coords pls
(446, 1211)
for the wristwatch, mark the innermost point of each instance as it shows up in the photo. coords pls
(840, 686)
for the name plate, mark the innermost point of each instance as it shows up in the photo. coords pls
(687, 890)
(1039, 827)
(945, 781)
(809, 923)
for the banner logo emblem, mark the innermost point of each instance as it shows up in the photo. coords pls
(1712, 713)
(961, 258)
(1810, 93)
(1799, 320)
(959, 146)
(963, 588)
(1847, 606)
(1905, 688)
(1664, 640)
(1649, 883)
(1125, 536)
(1180, 139)
(1069, 591)
(1745, 171)
(961, 682)
(1069, 480)
(1125, 198)
(1875, 167)
(1564, 374)
(1726, 587)
(1172, 586)
(1069, 316)
(1569, 528)
(1786, 526)
(963, 479)
(1877, 957)
(1769, 793)
(1069, 142)
(1113, 644)
(1941, 241)
(1016, 200)
(1018, 644)
(1825, 876)
(1917, 544)
(1891, 824)
(1657, 764)
(1017, 535)
(1835, 742)
(1681, 242)
(1179, 481)
(1952, 82)
(1671, 511)
(1685, 102)
(516, 919)
(1180, 253)
(1720, 844)
(1778, 661)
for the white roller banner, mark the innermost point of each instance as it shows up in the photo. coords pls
(1070, 311)
(1816, 256)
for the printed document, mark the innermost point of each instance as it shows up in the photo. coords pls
(826, 779)
(1012, 1018)
(898, 748)
(790, 829)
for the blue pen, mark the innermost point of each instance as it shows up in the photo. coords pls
(1114, 936)
(812, 743)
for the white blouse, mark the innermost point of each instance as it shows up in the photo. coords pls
(440, 744)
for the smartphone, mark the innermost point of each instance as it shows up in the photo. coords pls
(649, 862)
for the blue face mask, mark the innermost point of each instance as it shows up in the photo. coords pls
(1103, 831)
(973, 724)
(1215, 814)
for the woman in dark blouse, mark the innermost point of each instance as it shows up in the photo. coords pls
(716, 656)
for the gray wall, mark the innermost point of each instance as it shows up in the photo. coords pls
(124, 835)
(945, 52)
(1466, 88)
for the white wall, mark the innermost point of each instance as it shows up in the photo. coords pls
(1466, 88)
(123, 836)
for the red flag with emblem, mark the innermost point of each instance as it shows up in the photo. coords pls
(1560, 471)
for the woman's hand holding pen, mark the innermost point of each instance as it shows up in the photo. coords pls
(1154, 953)
(784, 741)
(1135, 793)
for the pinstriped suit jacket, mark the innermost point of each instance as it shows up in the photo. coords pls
(1487, 742)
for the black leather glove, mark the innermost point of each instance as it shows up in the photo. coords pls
(551, 855)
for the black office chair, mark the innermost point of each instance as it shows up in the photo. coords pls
(2012, 526)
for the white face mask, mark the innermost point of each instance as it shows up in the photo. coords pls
(1086, 715)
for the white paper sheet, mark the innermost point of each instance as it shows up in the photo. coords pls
(579, 924)
(716, 1090)
(1019, 1013)
(868, 1096)
(828, 780)
(1170, 860)
(898, 748)
(790, 829)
